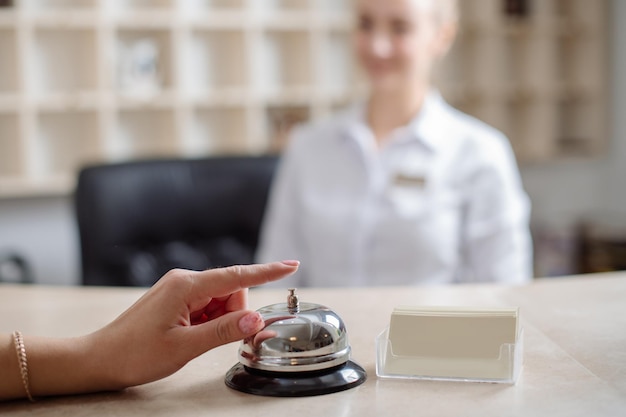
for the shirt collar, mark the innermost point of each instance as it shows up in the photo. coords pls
(428, 127)
(431, 125)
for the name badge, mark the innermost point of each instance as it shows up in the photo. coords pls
(407, 180)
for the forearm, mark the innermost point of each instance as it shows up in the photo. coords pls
(55, 367)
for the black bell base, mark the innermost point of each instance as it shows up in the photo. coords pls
(296, 384)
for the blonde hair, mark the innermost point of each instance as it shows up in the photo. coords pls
(445, 11)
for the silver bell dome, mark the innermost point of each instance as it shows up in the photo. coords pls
(298, 337)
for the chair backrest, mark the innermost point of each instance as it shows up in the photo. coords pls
(15, 268)
(139, 219)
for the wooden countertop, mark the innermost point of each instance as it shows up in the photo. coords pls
(574, 353)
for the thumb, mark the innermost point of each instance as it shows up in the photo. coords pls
(228, 328)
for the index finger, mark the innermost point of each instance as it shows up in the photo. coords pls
(224, 281)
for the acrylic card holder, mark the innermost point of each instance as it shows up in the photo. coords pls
(451, 343)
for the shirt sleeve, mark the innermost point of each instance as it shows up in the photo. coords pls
(496, 235)
(279, 237)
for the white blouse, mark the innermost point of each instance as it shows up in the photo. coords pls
(441, 202)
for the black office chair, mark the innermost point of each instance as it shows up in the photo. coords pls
(15, 268)
(139, 219)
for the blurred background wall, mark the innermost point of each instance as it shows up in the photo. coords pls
(565, 195)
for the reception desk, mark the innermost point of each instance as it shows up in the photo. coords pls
(574, 354)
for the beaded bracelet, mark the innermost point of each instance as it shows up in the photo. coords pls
(18, 340)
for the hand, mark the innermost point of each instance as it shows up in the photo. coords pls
(183, 315)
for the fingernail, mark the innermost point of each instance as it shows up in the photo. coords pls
(291, 263)
(251, 323)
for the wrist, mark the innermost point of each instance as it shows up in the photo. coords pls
(103, 368)
(67, 366)
(11, 386)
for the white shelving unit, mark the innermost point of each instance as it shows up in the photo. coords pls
(85, 81)
(537, 70)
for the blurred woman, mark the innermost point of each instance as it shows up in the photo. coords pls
(402, 188)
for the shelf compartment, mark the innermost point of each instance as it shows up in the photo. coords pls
(62, 14)
(216, 14)
(215, 62)
(217, 130)
(208, 6)
(533, 128)
(280, 122)
(516, 60)
(133, 6)
(481, 12)
(59, 5)
(8, 17)
(144, 64)
(583, 10)
(542, 67)
(581, 61)
(64, 141)
(450, 72)
(517, 9)
(284, 14)
(9, 81)
(63, 61)
(579, 127)
(10, 146)
(335, 6)
(492, 111)
(142, 133)
(270, 6)
(504, 69)
(287, 61)
(9, 102)
(518, 129)
(341, 77)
